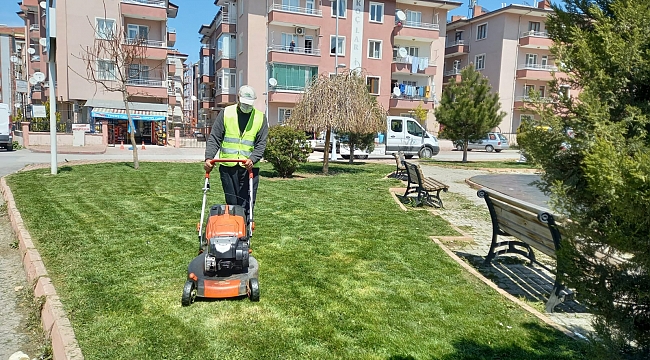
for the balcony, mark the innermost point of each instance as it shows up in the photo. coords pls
(144, 9)
(225, 96)
(536, 72)
(147, 86)
(451, 74)
(409, 30)
(280, 14)
(171, 100)
(207, 103)
(535, 40)
(34, 31)
(171, 67)
(226, 24)
(456, 48)
(207, 79)
(521, 101)
(285, 94)
(410, 102)
(207, 51)
(403, 66)
(295, 55)
(152, 49)
(171, 37)
(226, 63)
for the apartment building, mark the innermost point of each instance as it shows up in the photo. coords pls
(13, 79)
(399, 44)
(79, 24)
(510, 46)
(188, 93)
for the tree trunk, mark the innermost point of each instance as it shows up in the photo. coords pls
(465, 151)
(326, 153)
(351, 144)
(136, 162)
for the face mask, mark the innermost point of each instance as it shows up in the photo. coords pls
(245, 108)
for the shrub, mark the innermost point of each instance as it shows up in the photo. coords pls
(286, 148)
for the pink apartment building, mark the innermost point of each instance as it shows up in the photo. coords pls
(155, 96)
(511, 48)
(290, 41)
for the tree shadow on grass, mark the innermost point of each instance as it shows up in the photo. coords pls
(542, 343)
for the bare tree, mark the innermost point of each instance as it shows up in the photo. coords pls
(113, 62)
(340, 103)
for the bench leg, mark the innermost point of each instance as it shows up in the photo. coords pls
(558, 296)
(511, 249)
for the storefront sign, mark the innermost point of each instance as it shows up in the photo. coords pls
(356, 50)
(80, 127)
(38, 111)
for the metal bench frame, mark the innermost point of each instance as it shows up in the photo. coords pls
(428, 189)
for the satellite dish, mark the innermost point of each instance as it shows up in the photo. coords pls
(39, 76)
(193, 98)
(273, 82)
(13, 59)
(18, 105)
(31, 51)
(396, 91)
(43, 4)
(400, 15)
(402, 52)
(43, 41)
(33, 81)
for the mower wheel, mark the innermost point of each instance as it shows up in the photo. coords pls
(253, 290)
(189, 293)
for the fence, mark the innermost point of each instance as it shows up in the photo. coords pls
(192, 136)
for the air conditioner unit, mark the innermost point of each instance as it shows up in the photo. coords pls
(300, 31)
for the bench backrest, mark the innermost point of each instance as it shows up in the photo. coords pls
(414, 172)
(525, 221)
(399, 159)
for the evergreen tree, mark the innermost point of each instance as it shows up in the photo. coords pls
(468, 110)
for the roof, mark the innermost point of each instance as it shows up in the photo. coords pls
(16, 31)
(512, 8)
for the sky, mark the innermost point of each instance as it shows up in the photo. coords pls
(193, 13)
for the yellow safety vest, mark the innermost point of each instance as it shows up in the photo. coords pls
(236, 145)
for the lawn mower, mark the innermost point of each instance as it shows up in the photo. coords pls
(224, 267)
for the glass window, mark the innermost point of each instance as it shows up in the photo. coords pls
(481, 32)
(341, 45)
(480, 62)
(374, 49)
(293, 77)
(105, 70)
(528, 89)
(533, 26)
(542, 91)
(459, 36)
(414, 128)
(413, 18)
(396, 125)
(105, 28)
(342, 5)
(137, 32)
(226, 46)
(290, 5)
(283, 115)
(309, 5)
(376, 12)
(531, 59)
(373, 85)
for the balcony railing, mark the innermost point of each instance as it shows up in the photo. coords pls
(144, 42)
(526, 98)
(538, 67)
(35, 58)
(297, 50)
(419, 25)
(226, 55)
(288, 88)
(452, 72)
(454, 43)
(228, 90)
(542, 34)
(295, 9)
(162, 3)
(34, 27)
(150, 82)
(403, 60)
(411, 97)
(224, 18)
(171, 30)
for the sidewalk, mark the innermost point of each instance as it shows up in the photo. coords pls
(90, 149)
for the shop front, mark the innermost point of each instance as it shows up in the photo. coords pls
(150, 126)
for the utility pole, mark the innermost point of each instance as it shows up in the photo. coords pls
(333, 155)
(50, 16)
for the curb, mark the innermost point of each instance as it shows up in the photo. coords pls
(55, 323)
(68, 152)
(473, 185)
(504, 293)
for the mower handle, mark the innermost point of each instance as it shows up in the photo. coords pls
(214, 161)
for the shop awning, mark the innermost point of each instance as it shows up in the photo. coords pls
(120, 114)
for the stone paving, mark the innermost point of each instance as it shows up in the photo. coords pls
(465, 210)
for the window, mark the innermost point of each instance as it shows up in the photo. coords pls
(459, 36)
(286, 41)
(241, 43)
(374, 49)
(309, 5)
(290, 5)
(542, 91)
(481, 32)
(227, 46)
(105, 70)
(565, 91)
(138, 72)
(456, 66)
(283, 115)
(226, 80)
(309, 44)
(292, 77)
(333, 45)
(529, 89)
(544, 60)
(137, 32)
(531, 59)
(479, 61)
(414, 128)
(241, 7)
(396, 125)
(373, 85)
(376, 12)
(533, 26)
(105, 28)
(342, 5)
(413, 18)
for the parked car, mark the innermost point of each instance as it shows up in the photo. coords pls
(492, 141)
(6, 140)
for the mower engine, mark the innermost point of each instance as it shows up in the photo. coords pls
(227, 239)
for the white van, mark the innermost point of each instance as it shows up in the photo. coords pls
(407, 135)
(6, 140)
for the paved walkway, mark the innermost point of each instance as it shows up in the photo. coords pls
(465, 210)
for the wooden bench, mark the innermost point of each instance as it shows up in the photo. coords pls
(428, 189)
(400, 170)
(532, 226)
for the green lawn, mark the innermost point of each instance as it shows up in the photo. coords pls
(497, 164)
(344, 273)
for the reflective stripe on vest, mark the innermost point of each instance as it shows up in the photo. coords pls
(234, 145)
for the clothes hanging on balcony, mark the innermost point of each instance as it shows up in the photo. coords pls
(414, 64)
(424, 63)
(402, 89)
(421, 91)
(427, 92)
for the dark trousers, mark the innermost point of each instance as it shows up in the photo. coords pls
(234, 180)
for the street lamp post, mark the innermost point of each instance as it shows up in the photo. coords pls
(333, 155)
